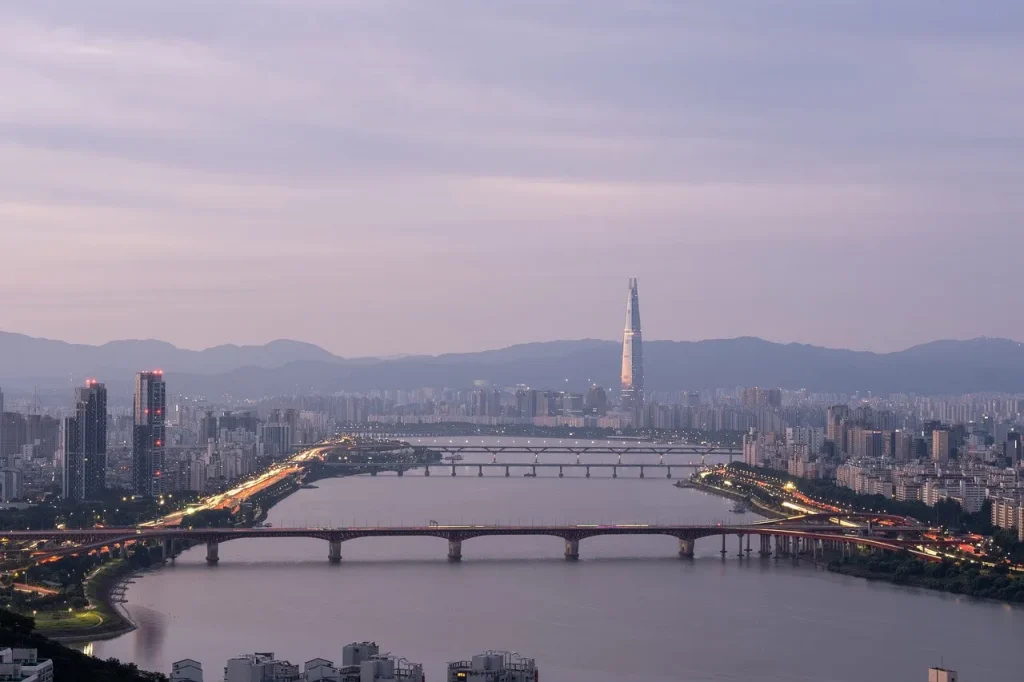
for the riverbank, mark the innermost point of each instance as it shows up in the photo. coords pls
(758, 506)
(104, 619)
(972, 581)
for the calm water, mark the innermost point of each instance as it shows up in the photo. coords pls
(628, 610)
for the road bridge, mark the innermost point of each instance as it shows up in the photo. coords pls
(400, 468)
(581, 449)
(790, 537)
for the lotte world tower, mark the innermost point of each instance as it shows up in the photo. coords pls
(632, 354)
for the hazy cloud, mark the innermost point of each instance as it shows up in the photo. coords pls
(371, 175)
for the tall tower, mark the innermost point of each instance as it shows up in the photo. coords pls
(148, 434)
(632, 354)
(91, 452)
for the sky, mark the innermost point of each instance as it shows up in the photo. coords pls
(383, 177)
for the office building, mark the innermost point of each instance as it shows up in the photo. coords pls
(91, 423)
(148, 433)
(493, 666)
(632, 354)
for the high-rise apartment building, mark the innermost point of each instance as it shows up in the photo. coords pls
(91, 423)
(632, 354)
(71, 465)
(940, 446)
(1013, 448)
(148, 433)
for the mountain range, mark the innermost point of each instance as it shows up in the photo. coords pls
(287, 367)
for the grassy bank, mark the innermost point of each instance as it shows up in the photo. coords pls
(102, 620)
(970, 580)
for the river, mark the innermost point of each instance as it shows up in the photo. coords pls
(630, 609)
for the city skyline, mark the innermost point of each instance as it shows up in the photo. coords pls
(764, 161)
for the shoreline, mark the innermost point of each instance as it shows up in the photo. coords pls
(122, 622)
(758, 506)
(116, 620)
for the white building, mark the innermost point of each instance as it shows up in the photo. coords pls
(260, 667)
(492, 666)
(187, 671)
(752, 449)
(23, 665)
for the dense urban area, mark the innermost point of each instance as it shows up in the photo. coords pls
(917, 490)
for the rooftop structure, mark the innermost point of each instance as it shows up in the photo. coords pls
(941, 675)
(494, 666)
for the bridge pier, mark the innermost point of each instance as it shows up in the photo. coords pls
(212, 552)
(641, 472)
(506, 471)
(615, 472)
(534, 469)
(739, 537)
(686, 548)
(455, 550)
(572, 550)
(334, 551)
(669, 474)
(166, 553)
(561, 474)
(778, 544)
(766, 546)
(723, 546)
(479, 471)
(453, 470)
(426, 470)
(748, 544)
(373, 472)
(588, 472)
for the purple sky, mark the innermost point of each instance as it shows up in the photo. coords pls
(390, 177)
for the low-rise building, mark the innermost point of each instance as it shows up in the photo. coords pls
(493, 666)
(24, 665)
(187, 670)
(260, 667)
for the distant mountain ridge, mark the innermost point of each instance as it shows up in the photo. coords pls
(292, 367)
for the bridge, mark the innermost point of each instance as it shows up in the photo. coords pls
(578, 450)
(812, 533)
(400, 468)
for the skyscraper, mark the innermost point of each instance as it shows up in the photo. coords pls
(148, 435)
(91, 423)
(71, 465)
(632, 354)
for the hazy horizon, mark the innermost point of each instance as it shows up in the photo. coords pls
(382, 178)
(495, 348)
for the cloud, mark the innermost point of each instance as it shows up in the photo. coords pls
(266, 151)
